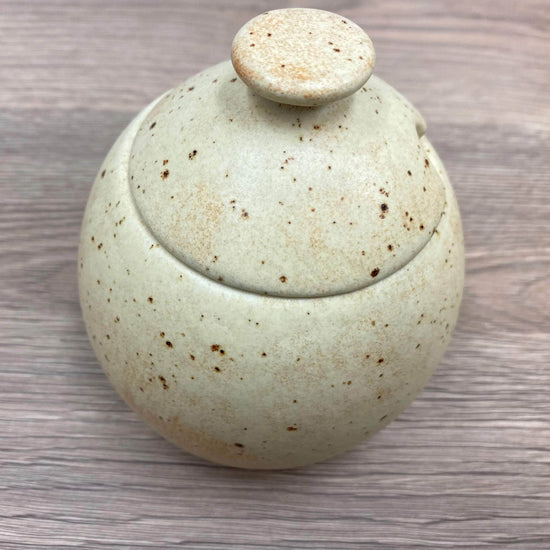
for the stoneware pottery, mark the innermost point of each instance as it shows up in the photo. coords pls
(271, 260)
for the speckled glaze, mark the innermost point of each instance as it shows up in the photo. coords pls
(268, 284)
(302, 56)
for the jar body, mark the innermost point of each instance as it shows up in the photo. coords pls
(258, 381)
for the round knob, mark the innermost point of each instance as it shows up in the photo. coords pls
(302, 56)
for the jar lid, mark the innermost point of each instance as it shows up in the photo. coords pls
(283, 199)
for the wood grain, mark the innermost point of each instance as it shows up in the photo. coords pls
(466, 466)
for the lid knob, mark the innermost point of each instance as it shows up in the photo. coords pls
(302, 56)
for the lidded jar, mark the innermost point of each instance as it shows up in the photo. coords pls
(271, 258)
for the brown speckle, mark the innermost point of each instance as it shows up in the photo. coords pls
(165, 162)
(163, 380)
(409, 172)
(240, 445)
(215, 347)
(169, 344)
(192, 357)
(103, 174)
(164, 174)
(381, 360)
(150, 299)
(152, 125)
(282, 278)
(390, 247)
(291, 429)
(375, 272)
(192, 154)
(217, 369)
(426, 163)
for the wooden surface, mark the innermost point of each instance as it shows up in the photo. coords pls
(467, 465)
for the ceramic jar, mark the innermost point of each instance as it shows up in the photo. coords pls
(271, 258)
